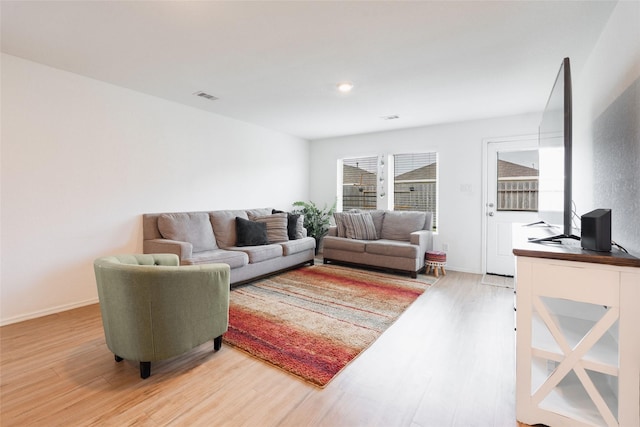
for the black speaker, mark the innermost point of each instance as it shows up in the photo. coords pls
(595, 232)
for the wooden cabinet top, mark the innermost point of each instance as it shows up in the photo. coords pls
(568, 250)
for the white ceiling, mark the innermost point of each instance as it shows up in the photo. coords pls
(276, 64)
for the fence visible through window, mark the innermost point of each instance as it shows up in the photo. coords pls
(517, 195)
(517, 188)
(359, 183)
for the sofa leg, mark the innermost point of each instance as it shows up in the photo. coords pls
(414, 274)
(145, 370)
(117, 358)
(312, 262)
(217, 343)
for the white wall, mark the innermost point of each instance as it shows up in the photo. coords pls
(459, 146)
(607, 126)
(82, 160)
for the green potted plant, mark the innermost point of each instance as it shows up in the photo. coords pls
(316, 220)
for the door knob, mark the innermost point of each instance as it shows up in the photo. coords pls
(490, 214)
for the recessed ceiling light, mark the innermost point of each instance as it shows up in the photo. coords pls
(345, 87)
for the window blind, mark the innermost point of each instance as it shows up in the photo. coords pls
(359, 183)
(415, 184)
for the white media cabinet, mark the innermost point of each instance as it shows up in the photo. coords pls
(577, 335)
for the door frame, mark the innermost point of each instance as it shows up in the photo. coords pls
(485, 184)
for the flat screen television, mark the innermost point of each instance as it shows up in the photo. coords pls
(555, 151)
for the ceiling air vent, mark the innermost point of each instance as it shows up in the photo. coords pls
(393, 117)
(205, 95)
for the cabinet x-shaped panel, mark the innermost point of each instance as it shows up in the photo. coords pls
(572, 358)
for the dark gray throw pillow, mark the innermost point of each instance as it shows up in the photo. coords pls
(250, 233)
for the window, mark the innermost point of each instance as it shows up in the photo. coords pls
(359, 183)
(415, 183)
(518, 181)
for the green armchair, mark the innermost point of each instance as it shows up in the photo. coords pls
(153, 308)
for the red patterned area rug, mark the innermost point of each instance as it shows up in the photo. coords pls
(314, 320)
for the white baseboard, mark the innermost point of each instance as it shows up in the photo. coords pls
(46, 312)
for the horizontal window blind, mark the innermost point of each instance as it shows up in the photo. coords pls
(359, 183)
(415, 184)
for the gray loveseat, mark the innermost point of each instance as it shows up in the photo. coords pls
(395, 240)
(253, 242)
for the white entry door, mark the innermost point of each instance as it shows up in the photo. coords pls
(511, 197)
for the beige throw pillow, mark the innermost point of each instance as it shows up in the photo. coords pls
(276, 226)
(360, 226)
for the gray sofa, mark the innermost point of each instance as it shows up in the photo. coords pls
(395, 240)
(215, 237)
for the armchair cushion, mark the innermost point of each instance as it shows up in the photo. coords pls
(143, 259)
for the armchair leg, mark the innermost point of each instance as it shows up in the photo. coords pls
(145, 370)
(117, 358)
(217, 343)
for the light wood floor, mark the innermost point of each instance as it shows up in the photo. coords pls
(448, 361)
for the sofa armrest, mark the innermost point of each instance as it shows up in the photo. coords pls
(422, 238)
(184, 250)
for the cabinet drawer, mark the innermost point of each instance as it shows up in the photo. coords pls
(577, 283)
